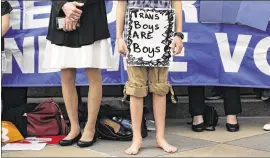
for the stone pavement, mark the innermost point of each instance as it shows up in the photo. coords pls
(250, 141)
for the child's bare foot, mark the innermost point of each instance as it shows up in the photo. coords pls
(134, 148)
(163, 144)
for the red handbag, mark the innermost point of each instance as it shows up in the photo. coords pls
(46, 120)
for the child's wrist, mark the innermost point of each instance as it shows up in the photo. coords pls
(119, 37)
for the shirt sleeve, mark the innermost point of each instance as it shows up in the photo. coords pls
(58, 4)
(5, 8)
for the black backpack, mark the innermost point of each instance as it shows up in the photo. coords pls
(210, 117)
(115, 123)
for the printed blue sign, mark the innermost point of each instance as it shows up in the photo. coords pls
(213, 54)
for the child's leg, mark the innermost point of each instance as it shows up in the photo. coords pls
(159, 87)
(159, 113)
(136, 88)
(136, 109)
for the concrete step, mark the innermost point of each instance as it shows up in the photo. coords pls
(251, 106)
(108, 91)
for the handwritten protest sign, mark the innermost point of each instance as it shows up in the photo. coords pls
(149, 36)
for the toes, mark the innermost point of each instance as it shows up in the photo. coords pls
(133, 149)
(134, 152)
(130, 152)
(169, 149)
(173, 149)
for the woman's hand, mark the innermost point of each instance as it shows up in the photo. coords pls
(69, 25)
(177, 45)
(122, 46)
(71, 11)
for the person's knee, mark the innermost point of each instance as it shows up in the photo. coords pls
(160, 89)
(93, 75)
(68, 76)
(136, 90)
(92, 71)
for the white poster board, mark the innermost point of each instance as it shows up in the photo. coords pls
(149, 36)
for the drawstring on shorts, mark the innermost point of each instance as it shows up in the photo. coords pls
(125, 94)
(172, 95)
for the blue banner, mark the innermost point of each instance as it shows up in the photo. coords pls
(213, 54)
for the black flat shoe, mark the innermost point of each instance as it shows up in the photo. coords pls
(232, 127)
(84, 144)
(198, 128)
(70, 141)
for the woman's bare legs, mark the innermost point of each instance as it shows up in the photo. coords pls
(94, 100)
(68, 77)
(136, 109)
(159, 107)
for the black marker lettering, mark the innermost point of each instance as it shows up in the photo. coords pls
(135, 13)
(136, 48)
(151, 52)
(145, 26)
(157, 49)
(137, 24)
(151, 27)
(156, 27)
(141, 15)
(149, 35)
(156, 17)
(143, 35)
(149, 16)
(135, 34)
(145, 49)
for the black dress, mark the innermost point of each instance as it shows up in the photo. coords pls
(86, 47)
(93, 25)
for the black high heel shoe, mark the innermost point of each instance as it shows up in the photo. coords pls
(70, 141)
(233, 127)
(84, 144)
(198, 128)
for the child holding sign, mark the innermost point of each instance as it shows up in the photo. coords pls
(157, 77)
